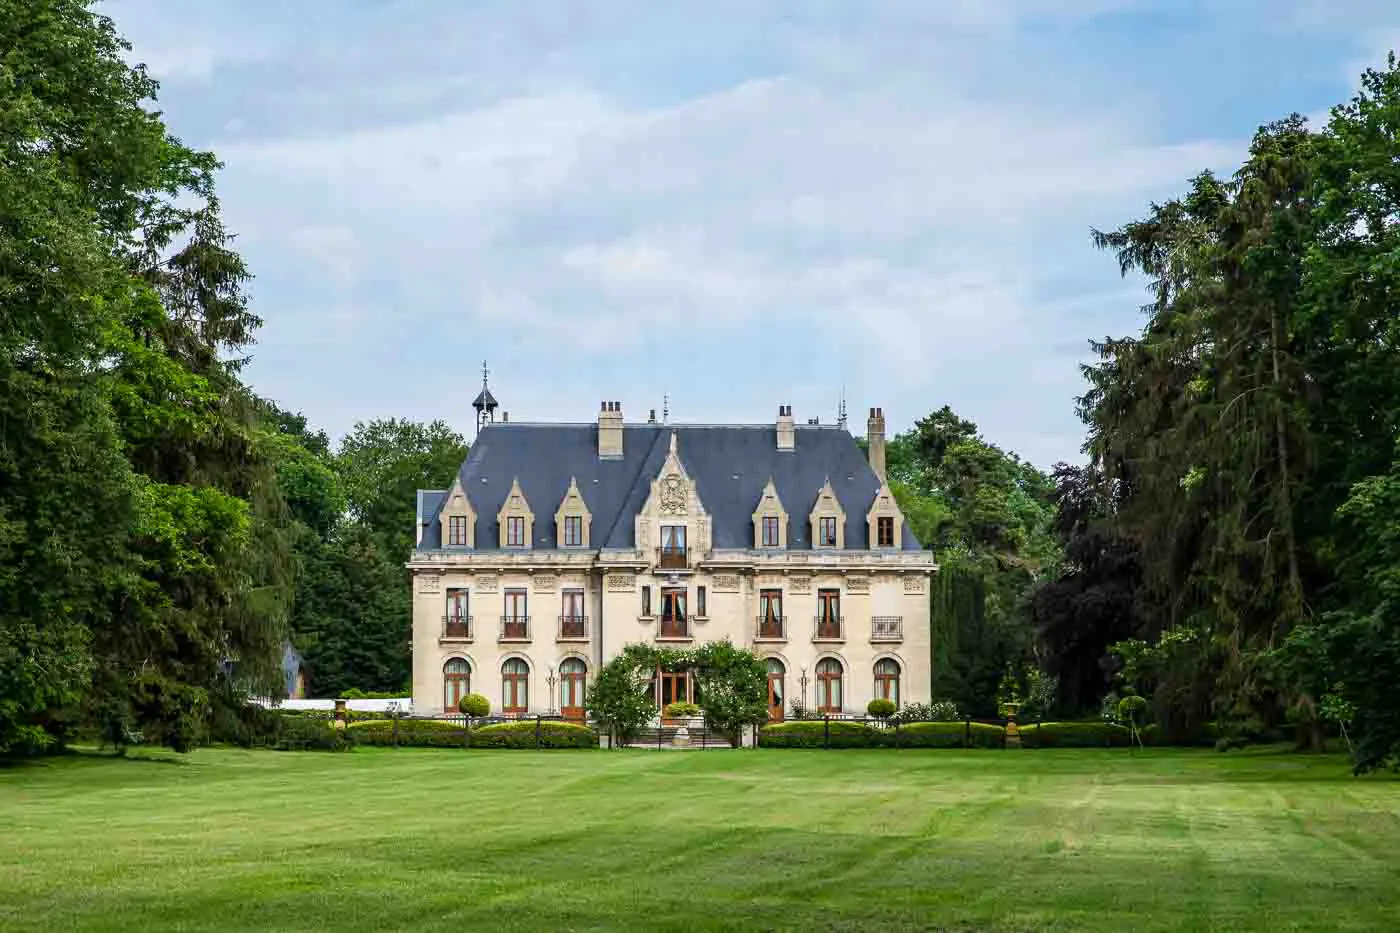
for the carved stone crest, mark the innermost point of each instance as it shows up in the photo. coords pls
(913, 584)
(622, 582)
(673, 495)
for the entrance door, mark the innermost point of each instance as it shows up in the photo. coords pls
(776, 674)
(675, 688)
(573, 677)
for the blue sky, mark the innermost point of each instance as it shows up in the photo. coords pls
(740, 204)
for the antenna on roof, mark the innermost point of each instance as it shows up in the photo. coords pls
(841, 410)
(665, 408)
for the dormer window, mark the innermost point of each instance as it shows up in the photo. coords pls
(515, 531)
(457, 519)
(457, 530)
(885, 531)
(573, 531)
(770, 531)
(826, 531)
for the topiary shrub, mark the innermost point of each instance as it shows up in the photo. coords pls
(474, 705)
(937, 711)
(523, 735)
(428, 733)
(1075, 735)
(680, 710)
(880, 708)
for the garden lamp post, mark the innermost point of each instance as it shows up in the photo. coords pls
(551, 679)
(803, 682)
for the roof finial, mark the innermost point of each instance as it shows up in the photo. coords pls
(673, 442)
(485, 403)
(841, 409)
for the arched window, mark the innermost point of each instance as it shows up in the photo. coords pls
(456, 683)
(887, 680)
(573, 678)
(829, 686)
(776, 675)
(515, 691)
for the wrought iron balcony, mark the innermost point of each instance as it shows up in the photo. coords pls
(770, 628)
(828, 628)
(887, 628)
(573, 628)
(515, 628)
(672, 558)
(457, 628)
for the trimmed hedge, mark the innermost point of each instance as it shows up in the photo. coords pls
(846, 734)
(1076, 735)
(427, 733)
(552, 734)
(437, 733)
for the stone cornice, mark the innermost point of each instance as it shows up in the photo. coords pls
(635, 560)
(523, 560)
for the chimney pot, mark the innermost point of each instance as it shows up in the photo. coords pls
(610, 431)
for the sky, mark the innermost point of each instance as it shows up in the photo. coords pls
(733, 204)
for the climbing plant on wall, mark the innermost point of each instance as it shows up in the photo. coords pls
(732, 686)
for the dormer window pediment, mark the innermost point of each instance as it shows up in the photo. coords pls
(457, 518)
(572, 520)
(884, 522)
(828, 520)
(770, 520)
(517, 522)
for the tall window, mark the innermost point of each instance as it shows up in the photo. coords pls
(884, 531)
(673, 611)
(826, 532)
(515, 691)
(573, 531)
(573, 677)
(457, 529)
(672, 546)
(646, 600)
(776, 674)
(887, 680)
(456, 683)
(515, 531)
(828, 685)
(572, 623)
(458, 609)
(770, 613)
(516, 617)
(770, 531)
(700, 601)
(828, 613)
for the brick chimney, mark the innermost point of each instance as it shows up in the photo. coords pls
(875, 437)
(610, 431)
(787, 429)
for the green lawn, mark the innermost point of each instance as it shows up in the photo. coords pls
(853, 840)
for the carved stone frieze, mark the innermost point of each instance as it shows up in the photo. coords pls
(858, 585)
(429, 583)
(915, 584)
(727, 583)
(622, 582)
(488, 583)
(546, 582)
(801, 585)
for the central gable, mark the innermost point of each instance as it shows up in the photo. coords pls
(673, 500)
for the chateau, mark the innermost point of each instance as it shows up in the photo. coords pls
(558, 544)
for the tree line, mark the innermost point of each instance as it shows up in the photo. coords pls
(163, 530)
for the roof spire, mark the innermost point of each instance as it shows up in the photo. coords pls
(841, 409)
(485, 403)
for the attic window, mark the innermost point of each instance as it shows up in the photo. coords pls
(826, 532)
(457, 530)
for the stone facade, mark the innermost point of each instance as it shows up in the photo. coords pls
(533, 624)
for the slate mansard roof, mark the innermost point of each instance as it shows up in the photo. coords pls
(730, 464)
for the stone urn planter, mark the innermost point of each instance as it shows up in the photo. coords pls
(681, 738)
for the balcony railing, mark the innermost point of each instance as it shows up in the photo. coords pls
(671, 558)
(515, 628)
(457, 627)
(771, 628)
(828, 628)
(887, 628)
(673, 628)
(573, 628)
